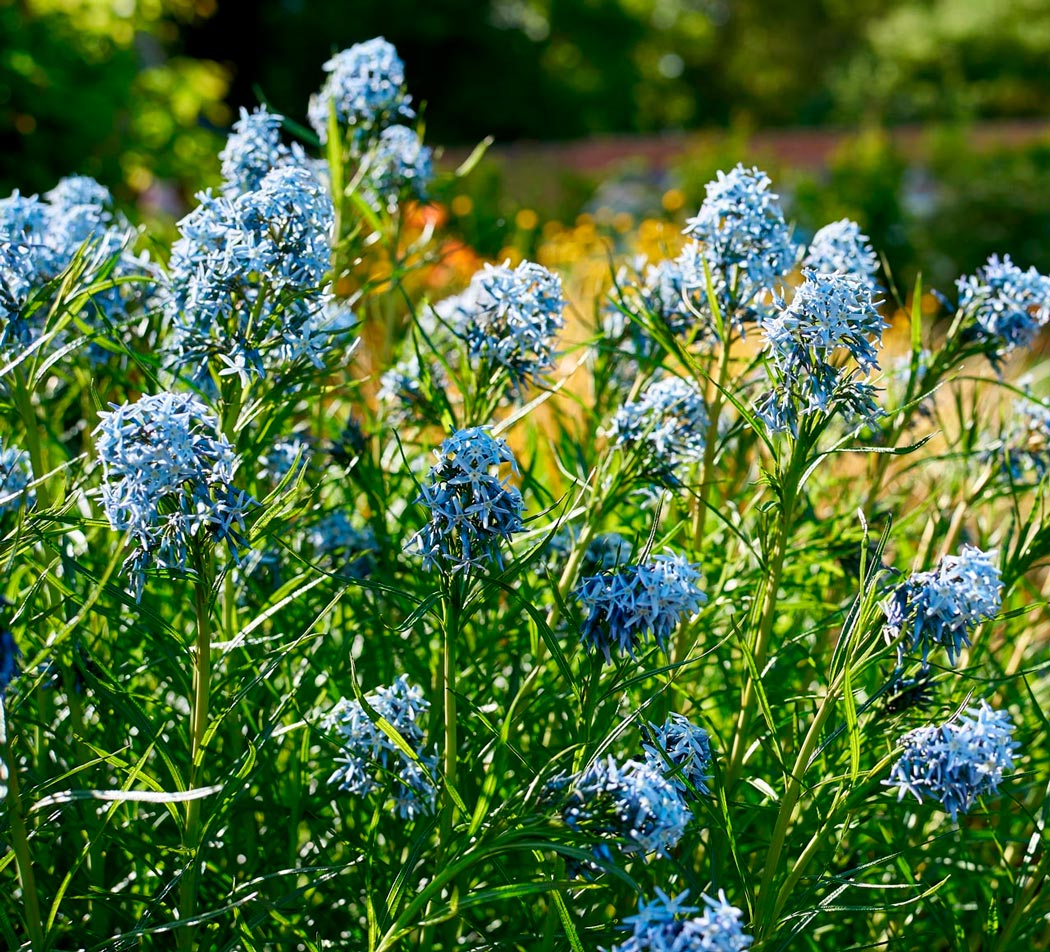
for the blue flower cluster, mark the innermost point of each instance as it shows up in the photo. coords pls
(406, 387)
(681, 750)
(370, 760)
(246, 288)
(38, 241)
(337, 544)
(943, 606)
(627, 606)
(668, 422)
(745, 239)
(1008, 305)
(832, 316)
(606, 550)
(284, 455)
(16, 473)
(366, 86)
(631, 804)
(666, 925)
(515, 316)
(957, 762)
(472, 510)
(254, 149)
(1026, 445)
(663, 292)
(168, 481)
(842, 247)
(399, 163)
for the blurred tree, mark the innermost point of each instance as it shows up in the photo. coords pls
(949, 59)
(91, 87)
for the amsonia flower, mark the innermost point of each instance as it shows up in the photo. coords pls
(247, 285)
(666, 925)
(16, 473)
(515, 315)
(942, 607)
(831, 318)
(1006, 304)
(630, 805)
(842, 247)
(628, 606)
(168, 481)
(744, 236)
(669, 420)
(366, 85)
(472, 510)
(370, 760)
(957, 762)
(398, 164)
(682, 750)
(253, 150)
(1026, 444)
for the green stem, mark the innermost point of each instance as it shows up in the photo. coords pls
(760, 649)
(198, 728)
(20, 841)
(24, 404)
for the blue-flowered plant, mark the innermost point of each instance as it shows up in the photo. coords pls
(842, 247)
(627, 607)
(39, 240)
(630, 806)
(942, 607)
(1025, 447)
(472, 509)
(1004, 305)
(667, 925)
(254, 149)
(957, 762)
(682, 750)
(831, 319)
(168, 481)
(744, 237)
(370, 759)
(246, 290)
(16, 473)
(398, 165)
(514, 316)
(668, 423)
(366, 88)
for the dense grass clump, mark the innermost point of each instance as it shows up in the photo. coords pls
(351, 605)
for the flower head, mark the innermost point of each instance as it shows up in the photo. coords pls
(831, 317)
(253, 150)
(957, 762)
(669, 420)
(365, 84)
(743, 231)
(1026, 445)
(627, 606)
(1007, 305)
(842, 247)
(665, 925)
(246, 288)
(682, 750)
(514, 317)
(168, 481)
(399, 163)
(630, 806)
(943, 606)
(472, 510)
(370, 759)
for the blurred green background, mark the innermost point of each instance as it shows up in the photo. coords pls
(139, 94)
